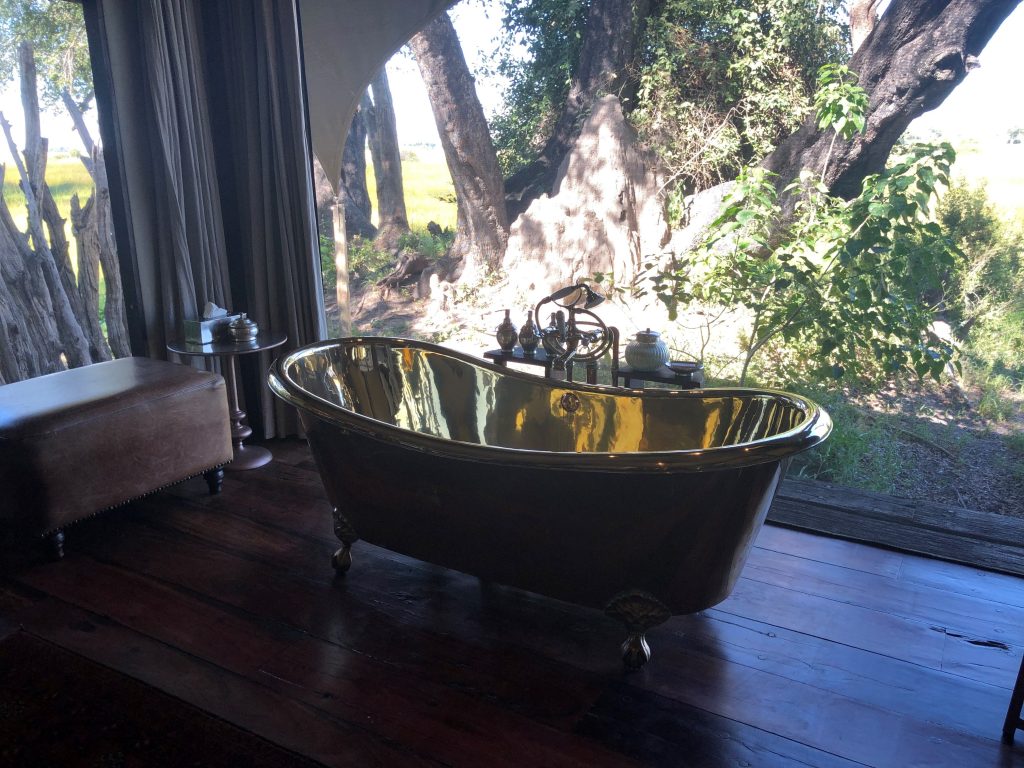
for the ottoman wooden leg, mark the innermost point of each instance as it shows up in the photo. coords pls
(214, 480)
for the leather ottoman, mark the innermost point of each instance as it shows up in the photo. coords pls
(80, 441)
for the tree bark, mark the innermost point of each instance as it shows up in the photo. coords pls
(613, 30)
(352, 186)
(77, 113)
(482, 219)
(387, 166)
(917, 53)
(114, 309)
(86, 232)
(325, 197)
(29, 333)
(75, 345)
(863, 17)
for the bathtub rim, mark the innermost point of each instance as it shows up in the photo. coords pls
(815, 428)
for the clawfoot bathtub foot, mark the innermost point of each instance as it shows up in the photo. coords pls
(639, 611)
(342, 559)
(635, 651)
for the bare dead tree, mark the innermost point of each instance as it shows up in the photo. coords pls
(49, 310)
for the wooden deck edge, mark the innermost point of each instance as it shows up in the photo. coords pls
(981, 539)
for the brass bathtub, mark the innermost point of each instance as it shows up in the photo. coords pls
(641, 503)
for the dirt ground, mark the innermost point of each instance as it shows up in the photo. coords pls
(949, 453)
(946, 451)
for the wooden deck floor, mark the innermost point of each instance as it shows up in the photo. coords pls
(828, 653)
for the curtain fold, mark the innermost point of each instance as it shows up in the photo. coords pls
(207, 122)
(274, 253)
(190, 247)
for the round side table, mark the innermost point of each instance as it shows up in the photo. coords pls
(246, 456)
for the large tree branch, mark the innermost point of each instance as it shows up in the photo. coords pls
(77, 113)
(917, 53)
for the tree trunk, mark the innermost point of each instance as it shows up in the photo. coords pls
(482, 229)
(114, 309)
(352, 186)
(323, 190)
(75, 346)
(387, 166)
(609, 47)
(87, 240)
(917, 53)
(29, 334)
(863, 17)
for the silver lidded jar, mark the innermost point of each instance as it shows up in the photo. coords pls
(647, 352)
(243, 329)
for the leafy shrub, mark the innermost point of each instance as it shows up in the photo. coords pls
(860, 452)
(995, 403)
(721, 83)
(838, 278)
(367, 264)
(328, 269)
(988, 271)
(984, 298)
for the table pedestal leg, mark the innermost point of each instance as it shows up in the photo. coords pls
(246, 456)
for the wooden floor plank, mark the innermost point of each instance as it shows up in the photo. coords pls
(234, 698)
(822, 549)
(353, 687)
(829, 653)
(662, 732)
(954, 612)
(966, 713)
(836, 666)
(964, 580)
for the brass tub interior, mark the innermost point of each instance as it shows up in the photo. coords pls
(433, 398)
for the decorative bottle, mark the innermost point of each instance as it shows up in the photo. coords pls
(529, 337)
(506, 333)
(647, 352)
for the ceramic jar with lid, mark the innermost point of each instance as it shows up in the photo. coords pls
(647, 352)
(243, 328)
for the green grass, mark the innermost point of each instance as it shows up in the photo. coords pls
(429, 192)
(66, 176)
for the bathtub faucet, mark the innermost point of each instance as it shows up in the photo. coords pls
(582, 336)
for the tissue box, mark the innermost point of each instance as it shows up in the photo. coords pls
(205, 331)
